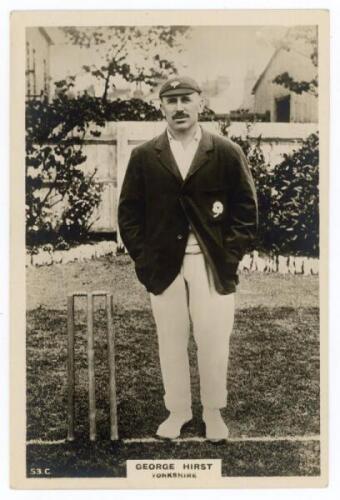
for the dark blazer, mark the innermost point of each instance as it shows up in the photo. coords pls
(217, 200)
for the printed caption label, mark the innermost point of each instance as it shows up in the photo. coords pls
(155, 470)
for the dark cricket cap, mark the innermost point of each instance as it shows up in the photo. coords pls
(179, 85)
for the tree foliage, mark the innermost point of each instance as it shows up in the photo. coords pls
(142, 54)
(298, 87)
(306, 37)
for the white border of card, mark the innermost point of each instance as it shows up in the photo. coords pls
(211, 476)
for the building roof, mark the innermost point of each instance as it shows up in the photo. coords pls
(260, 78)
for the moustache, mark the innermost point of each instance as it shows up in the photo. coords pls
(180, 115)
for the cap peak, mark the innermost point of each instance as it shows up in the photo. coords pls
(179, 85)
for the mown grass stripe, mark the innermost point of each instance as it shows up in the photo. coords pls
(261, 439)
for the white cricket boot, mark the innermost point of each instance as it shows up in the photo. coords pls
(171, 427)
(215, 427)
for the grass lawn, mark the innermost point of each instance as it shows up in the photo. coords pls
(273, 376)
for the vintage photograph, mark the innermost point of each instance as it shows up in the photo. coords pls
(172, 272)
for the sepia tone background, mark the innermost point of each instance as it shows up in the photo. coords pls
(273, 406)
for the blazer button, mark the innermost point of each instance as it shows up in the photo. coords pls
(180, 236)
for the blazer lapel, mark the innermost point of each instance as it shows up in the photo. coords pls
(201, 155)
(166, 157)
(168, 161)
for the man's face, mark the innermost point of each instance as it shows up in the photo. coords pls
(181, 111)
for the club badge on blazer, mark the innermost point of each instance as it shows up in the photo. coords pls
(217, 208)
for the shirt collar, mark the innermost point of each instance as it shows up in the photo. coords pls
(197, 136)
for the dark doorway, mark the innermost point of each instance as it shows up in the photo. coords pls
(283, 109)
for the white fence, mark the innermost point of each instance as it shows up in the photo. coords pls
(110, 152)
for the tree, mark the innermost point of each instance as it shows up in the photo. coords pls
(137, 54)
(297, 37)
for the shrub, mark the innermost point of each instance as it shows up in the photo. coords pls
(54, 157)
(131, 110)
(295, 183)
(261, 174)
(288, 196)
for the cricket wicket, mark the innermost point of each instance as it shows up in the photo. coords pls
(91, 358)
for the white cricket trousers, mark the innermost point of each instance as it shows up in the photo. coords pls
(192, 295)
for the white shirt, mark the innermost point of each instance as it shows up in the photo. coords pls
(184, 157)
